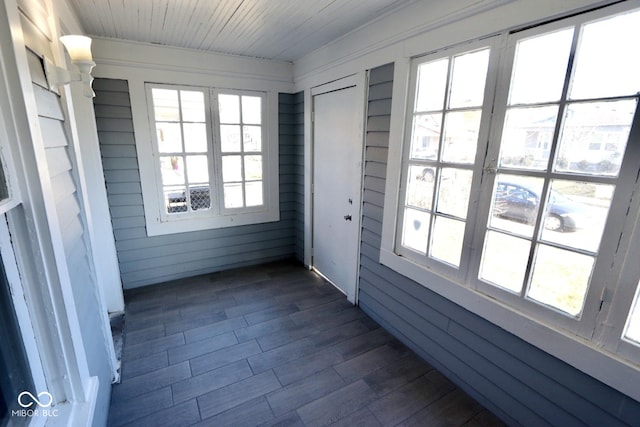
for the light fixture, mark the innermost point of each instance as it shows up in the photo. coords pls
(79, 49)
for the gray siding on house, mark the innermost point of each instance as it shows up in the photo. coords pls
(291, 121)
(60, 162)
(146, 259)
(517, 381)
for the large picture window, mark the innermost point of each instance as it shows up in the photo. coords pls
(534, 212)
(213, 157)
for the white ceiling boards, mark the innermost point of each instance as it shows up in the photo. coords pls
(273, 29)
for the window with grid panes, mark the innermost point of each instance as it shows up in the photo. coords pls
(210, 150)
(534, 212)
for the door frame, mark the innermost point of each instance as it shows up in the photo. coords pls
(359, 81)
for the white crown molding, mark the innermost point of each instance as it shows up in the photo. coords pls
(111, 54)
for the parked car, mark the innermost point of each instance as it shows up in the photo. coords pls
(518, 202)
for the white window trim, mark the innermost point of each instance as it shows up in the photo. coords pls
(606, 366)
(154, 203)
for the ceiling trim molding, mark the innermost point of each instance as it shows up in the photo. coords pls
(110, 53)
(388, 40)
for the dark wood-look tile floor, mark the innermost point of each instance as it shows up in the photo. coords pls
(272, 345)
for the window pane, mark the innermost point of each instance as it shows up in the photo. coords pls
(172, 169)
(446, 244)
(175, 199)
(195, 137)
(254, 193)
(540, 68)
(233, 196)
(516, 200)
(632, 331)
(192, 106)
(169, 137)
(576, 214)
(454, 191)
(165, 103)
(197, 169)
(232, 168)
(200, 198)
(420, 190)
(229, 106)
(461, 136)
(504, 260)
(432, 80)
(252, 138)
(425, 137)
(252, 110)
(594, 137)
(527, 137)
(605, 65)
(468, 79)
(415, 230)
(230, 139)
(560, 278)
(253, 168)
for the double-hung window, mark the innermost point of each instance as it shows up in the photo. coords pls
(213, 158)
(519, 176)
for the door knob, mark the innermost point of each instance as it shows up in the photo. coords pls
(347, 217)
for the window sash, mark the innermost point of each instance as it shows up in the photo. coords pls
(214, 155)
(585, 323)
(442, 267)
(596, 305)
(242, 152)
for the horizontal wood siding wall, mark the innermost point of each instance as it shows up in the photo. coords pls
(518, 382)
(147, 260)
(60, 162)
(291, 112)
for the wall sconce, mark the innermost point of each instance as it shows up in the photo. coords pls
(79, 49)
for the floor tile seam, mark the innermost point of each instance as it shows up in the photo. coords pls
(159, 387)
(131, 421)
(179, 360)
(317, 307)
(273, 415)
(123, 380)
(126, 332)
(431, 403)
(211, 336)
(321, 318)
(126, 358)
(226, 364)
(273, 412)
(258, 324)
(263, 395)
(198, 317)
(305, 356)
(406, 417)
(134, 325)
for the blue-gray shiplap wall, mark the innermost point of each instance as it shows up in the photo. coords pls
(520, 383)
(61, 164)
(291, 118)
(147, 260)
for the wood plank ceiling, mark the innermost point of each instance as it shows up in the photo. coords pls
(274, 29)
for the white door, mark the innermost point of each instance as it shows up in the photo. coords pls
(338, 111)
